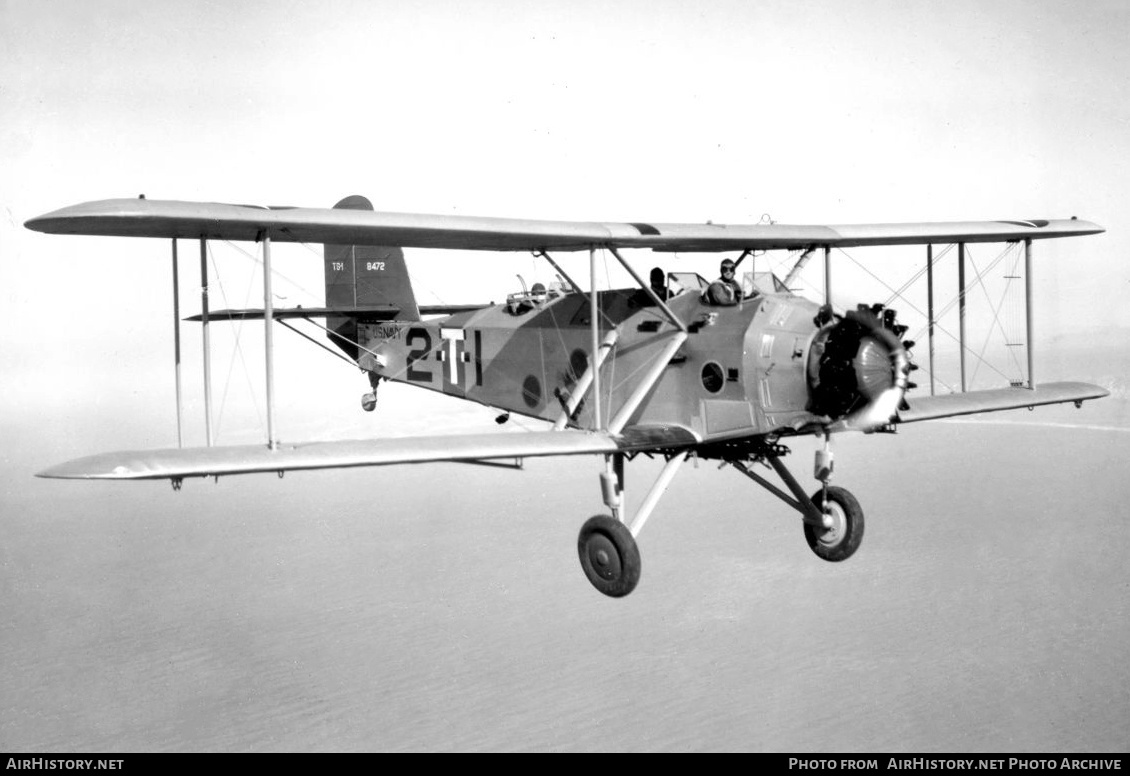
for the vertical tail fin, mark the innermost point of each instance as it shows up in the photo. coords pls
(363, 276)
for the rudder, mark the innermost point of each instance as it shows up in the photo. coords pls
(359, 276)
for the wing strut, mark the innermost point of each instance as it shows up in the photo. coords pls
(930, 309)
(961, 310)
(560, 271)
(801, 261)
(654, 297)
(586, 379)
(207, 346)
(268, 343)
(828, 275)
(658, 366)
(594, 309)
(268, 331)
(1028, 312)
(176, 344)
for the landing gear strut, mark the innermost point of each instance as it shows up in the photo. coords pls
(833, 519)
(610, 557)
(607, 545)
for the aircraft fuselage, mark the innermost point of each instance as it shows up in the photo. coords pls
(742, 370)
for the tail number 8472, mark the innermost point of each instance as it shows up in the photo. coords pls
(370, 266)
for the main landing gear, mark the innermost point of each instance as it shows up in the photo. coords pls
(841, 530)
(606, 545)
(610, 556)
(833, 519)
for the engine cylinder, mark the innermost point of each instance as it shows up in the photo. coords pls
(858, 367)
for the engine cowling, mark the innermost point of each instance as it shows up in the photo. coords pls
(858, 368)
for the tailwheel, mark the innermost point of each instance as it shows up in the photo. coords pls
(841, 539)
(610, 556)
(369, 400)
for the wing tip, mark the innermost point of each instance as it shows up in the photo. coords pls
(95, 467)
(61, 472)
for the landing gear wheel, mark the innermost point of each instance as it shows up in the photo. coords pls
(841, 540)
(610, 557)
(369, 401)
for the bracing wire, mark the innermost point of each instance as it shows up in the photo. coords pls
(258, 261)
(997, 323)
(953, 302)
(238, 351)
(917, 276)
(323, 346)
(882, 282)
(897, 294)
(978, 279)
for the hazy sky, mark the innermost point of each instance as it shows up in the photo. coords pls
(812, 112)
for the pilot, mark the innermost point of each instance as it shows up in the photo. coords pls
(659, 282)
(725, 290)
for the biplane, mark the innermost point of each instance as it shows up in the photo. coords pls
(676, 368)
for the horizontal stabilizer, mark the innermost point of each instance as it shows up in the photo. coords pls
(379, 313)
(450, 309)
(972, 402)
(344, 226)
(246, 459)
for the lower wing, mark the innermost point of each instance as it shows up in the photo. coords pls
(972, 402)
(176, 463)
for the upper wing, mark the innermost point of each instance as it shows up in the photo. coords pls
(971, 402)
(155, 218)
(247, 459)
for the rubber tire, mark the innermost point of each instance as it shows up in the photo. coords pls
(826, 543)
(609, 556)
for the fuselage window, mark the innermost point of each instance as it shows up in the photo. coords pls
(713, 378)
